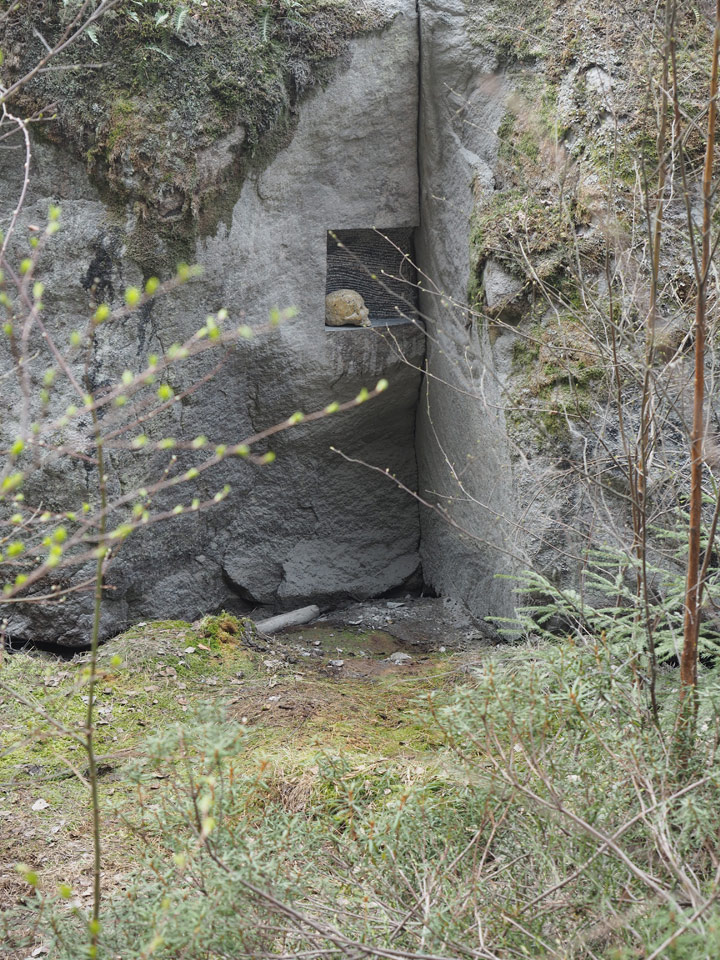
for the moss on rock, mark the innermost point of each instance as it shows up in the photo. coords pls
(171, 103)
(556, 373)
(577, 139)
(512, 31)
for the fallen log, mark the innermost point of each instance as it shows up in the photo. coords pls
(292, 619)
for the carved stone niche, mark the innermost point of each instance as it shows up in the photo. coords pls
(380, 266)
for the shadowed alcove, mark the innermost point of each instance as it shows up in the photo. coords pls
(379, 265)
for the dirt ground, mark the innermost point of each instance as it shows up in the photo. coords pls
(350, 683)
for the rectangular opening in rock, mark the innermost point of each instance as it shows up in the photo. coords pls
(355, 256)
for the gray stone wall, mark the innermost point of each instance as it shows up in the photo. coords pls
(311, 526)
(463, 457)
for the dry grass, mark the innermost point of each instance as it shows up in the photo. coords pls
(292, 702)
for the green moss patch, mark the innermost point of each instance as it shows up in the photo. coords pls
(170, 102)
(293, 707)
(578, 136)
(557, 373)
(510, 30)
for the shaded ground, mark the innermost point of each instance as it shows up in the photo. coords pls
(335, 686)
(428, 624)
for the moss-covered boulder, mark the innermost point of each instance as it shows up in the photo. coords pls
(170, 103)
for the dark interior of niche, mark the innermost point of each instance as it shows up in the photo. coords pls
(354, 256)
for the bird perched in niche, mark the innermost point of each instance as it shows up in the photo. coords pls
(346, 308)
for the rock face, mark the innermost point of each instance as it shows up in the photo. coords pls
(403, 138)
(346, 308)
(313, 526)
(501, 289)
(462, 447)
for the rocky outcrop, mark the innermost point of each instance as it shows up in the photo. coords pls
(311, 526)
(186, 101)
(460, 137)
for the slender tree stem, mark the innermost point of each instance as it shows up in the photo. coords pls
(90, 723)
(647, 415)
(689, 658)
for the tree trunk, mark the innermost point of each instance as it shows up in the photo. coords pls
(693, 594)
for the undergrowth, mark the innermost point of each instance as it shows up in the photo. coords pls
(544, 814)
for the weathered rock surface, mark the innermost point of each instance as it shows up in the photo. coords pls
(501, 289)
(463, 457)
(314, 527)
(311, 527)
